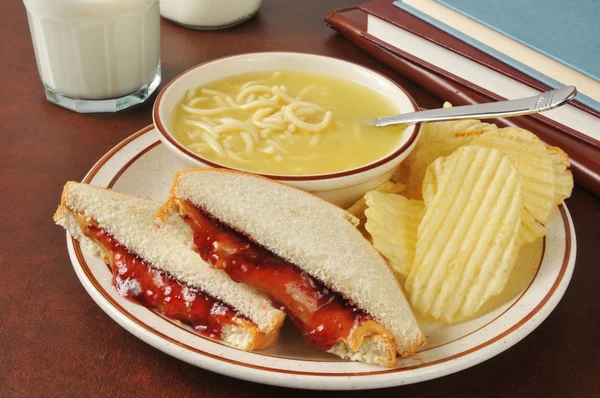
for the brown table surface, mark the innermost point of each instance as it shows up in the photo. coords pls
(55, 341)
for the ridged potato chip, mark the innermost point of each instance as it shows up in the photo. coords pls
(533, 161)
(358, 208)
(531, 229)
(433, 176)
(563, 179)
(468, 240)
(392, 222)
(439, 139)
(402, 172)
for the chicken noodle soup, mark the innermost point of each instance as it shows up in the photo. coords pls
(286, 123)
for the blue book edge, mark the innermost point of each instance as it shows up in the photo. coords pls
(494, 53)
(452, 6)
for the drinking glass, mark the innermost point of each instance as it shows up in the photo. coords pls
(96, 55)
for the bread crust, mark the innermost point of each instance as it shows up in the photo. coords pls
(408, 346)
(349, 217)
(247, 335)
(376, 350)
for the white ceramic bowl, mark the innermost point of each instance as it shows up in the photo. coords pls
(341, 188)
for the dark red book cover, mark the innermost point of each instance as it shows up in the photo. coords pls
(583, 151)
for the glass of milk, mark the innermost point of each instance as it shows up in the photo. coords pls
(208, 14)
(96, 55)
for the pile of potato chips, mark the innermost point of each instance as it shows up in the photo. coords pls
(460, 208)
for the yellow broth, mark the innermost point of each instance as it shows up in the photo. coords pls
(267, 137)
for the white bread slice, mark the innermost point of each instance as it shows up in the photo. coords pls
(130, 220)
(375, 350)
(314, 235)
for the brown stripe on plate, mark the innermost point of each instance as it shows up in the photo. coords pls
(151, 330)
(88, 177)
(129, 163)
(182, 327)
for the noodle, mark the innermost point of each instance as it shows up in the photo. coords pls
(314, 127)
(202, 125)
(190, 94)
(232, 103)
(268, 150)
(208, 121)
(265, 126)
(289, 135)
(199, 148)
(305, 111)
(213, 92)
(276, 145)
(236, 157)
(314, 141)
(219, 101)
(248, 141)
(252, 83)
(306, 90)
(259, 120)
(274, 120)
(214, 144)
(231, 125)
(205, 112)
(252, 89)
(192, 135)
(259, 103)
(282, 94)
(269, 116)
(261, 113)
(197, 100)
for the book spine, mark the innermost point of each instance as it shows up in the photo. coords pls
(388, 12)
(509, 61)
(585, 158)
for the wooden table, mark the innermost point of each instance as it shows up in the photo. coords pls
(55, 341)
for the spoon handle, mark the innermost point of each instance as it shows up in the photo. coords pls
(524, 106)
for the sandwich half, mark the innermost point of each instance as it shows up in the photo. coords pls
(305, 254)
(153, 264)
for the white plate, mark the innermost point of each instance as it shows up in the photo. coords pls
(141, 165)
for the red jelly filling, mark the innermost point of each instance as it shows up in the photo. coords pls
(137, 281)
(323, 316)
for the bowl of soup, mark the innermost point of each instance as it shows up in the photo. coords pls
(303, 119)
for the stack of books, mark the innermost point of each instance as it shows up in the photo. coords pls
(469, 52)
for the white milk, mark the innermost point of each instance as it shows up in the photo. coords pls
(208, 14)
(95, 49)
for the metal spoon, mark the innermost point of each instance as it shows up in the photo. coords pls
(524, 106)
